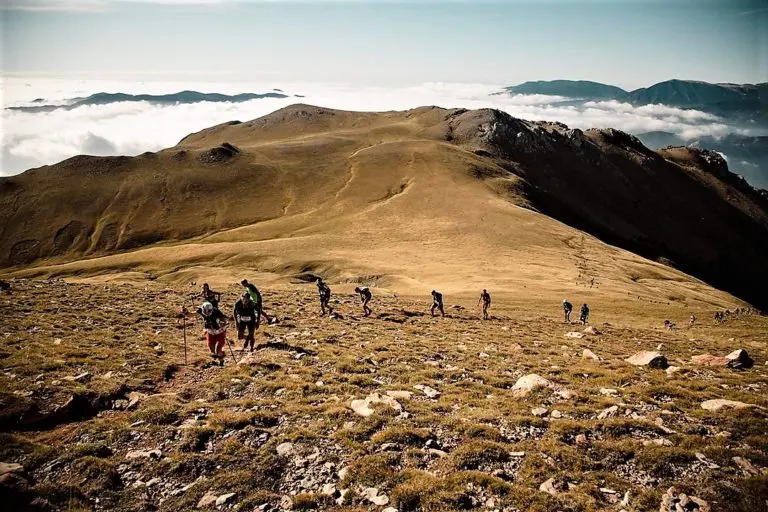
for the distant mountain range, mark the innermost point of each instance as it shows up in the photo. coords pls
(715, 98)
(104, 98)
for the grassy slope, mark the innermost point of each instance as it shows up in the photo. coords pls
(219, 428)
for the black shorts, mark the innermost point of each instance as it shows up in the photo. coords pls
(251, 326)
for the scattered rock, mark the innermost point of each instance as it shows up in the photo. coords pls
(430, 392)
(285, 449)
(403, 395)
(591, 330)
(746, 466)
(719, 403)
(372, 495)
(574, 334)
(588, 354)
(609, 412)
(649, 358)
(539, 411)
(556, 414)
(8, 469)
(709, 360)
(286, 503)
(549, 487)
(141, 454)
(530, 382)
(207, 500)
(739, 359)
(581, 440)
(363, 407)
(221, 500)
(330, 490)
(672, 370)
(608, 391)
(674, 501)
(83, 377)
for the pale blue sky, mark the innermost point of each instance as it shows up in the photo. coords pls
(626, 43)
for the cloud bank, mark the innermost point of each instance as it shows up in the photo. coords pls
(33, 139)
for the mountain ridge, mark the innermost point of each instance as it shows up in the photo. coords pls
(270, 192)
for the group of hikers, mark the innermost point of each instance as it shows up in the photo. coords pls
(722, 316)
(249, 310)
(583, 312)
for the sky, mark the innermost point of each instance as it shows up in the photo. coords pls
(621, 42)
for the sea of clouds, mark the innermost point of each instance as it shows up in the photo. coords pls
(129, 128)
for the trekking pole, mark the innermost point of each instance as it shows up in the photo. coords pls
(231, 351)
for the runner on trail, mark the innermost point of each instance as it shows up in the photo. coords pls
(215, 330)
(485, 298)
(584, 314)
(437, 303)
(255, 295)
(246, 318)
(567, 308)
(365, 298)
(325, 296)
(209, 295)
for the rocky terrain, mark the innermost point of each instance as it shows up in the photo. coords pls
(396, 412)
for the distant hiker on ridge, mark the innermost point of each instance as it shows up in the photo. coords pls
(215, 330)
(365, 298)
(485, 298)
(209, 295)
(246, 317)
(567, 308)
(437, 303)
(325, 296)
(692, 320)
(584, 314)
(255, 295)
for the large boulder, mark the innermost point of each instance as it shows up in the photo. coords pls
(739, 359)
(709, 360)
(650, 359)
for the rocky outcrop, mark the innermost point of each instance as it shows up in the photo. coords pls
(649, 358)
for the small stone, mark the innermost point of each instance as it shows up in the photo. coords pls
(207, 500)
(672, 370)
(380, 500)
(57, 341)
(430, 392)
(343, 472)
(286, 503)
(363, 407)
(539, 411)
(329, 490)
(402, 395)
(588, 354)
(606, 490)
(574, 334)
(221, 500)
(517, 454)
(483, 355)
(548, 487)
(591, 330)
(610, 412)
(648, 358)
(581, 440)
(530, 382)
(608, 391)
(141, 454)
(746, 466)
(556, 414)
(719, 403)
(285, 449)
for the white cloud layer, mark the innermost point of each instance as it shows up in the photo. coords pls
(35, 139)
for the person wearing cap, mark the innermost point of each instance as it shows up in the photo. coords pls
(215, 330)
(567, 308)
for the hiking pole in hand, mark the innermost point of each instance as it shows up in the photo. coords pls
(231, 351)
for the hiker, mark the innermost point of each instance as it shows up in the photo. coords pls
(365, 298)
(325, 296)
(485, 298)
(255, 295)
(692, 320)
(567, 308)
(215, 330)
(584, 314)
(669, 325)
(437, 303)
(209, 295)
(246, 317)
